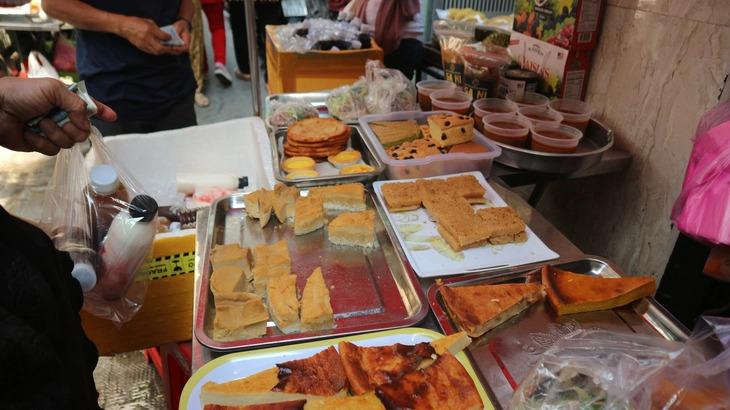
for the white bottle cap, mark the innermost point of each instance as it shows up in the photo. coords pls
(86, 275)
(104, 179)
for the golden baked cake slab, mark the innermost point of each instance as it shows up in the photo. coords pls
(353, 229)
(445, 236)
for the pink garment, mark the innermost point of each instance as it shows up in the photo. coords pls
(393, 16)
(214, 13)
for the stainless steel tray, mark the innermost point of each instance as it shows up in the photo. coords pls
(597, 140)
(328, 173)
(370, 289)
(505, 354)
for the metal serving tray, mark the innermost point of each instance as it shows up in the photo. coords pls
(370, 288)
(328, 173)
(505, 354)
(597, 140)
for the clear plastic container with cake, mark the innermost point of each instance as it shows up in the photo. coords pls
(477, 155)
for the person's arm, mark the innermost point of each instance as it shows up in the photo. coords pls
(24, 99)
(143, 33)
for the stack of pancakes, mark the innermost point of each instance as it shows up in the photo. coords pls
(316, 138)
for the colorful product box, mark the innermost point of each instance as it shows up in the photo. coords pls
(563, 73)
(570, 24)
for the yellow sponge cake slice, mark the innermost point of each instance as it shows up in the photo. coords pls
(316, 311)
(281, 298)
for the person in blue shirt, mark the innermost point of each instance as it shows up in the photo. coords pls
(121, 55)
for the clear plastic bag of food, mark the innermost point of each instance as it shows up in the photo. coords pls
(347, 103)
(101, 213)
(482, 66)
(594, 369)
(600, 369)
(388, 90)
(284, 114)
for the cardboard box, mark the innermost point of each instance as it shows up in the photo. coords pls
(570, 24)
(563, 73)
(313, 70)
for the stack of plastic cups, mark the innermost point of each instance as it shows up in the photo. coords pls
(427, 87)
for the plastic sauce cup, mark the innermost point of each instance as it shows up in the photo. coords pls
(527, 98)
(451, 100)
(539, 115)
(556, 138)
(575, 113)
(507, 128)
(487, 106)
(426, 87)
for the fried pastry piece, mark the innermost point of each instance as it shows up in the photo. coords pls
(477, 309)
(443, 385)
(570, 292)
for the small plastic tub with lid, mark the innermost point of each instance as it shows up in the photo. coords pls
(526, 99)
(508, 129)
(538, 115)
(575, 113)
(451, 100)
(555, 138)
(427, 87)
(487, 106)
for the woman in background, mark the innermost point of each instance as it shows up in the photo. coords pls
(398, 29)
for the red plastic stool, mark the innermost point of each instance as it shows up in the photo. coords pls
(174, 363)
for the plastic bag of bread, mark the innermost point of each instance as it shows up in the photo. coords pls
(601, 369)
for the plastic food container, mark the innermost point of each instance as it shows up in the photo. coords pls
(526, 98)
(487, 106)
(560, 138)
(433, 165)
(538, 115)
(426, 87)
(575, 113)
(508, 129)
(451, 100)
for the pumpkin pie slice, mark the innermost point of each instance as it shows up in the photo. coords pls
(570, 292)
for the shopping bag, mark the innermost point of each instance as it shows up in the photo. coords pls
(40, 67)
(702, 209)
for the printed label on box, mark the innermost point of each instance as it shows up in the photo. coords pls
(570, 24)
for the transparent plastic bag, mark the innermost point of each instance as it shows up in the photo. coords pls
(603, 370)
(388, 90)
(594, 369)
(347, 103)
(101, 215)
(284, 114)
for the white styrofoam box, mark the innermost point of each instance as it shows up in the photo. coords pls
(239, 146)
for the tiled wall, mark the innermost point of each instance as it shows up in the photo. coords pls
(659, 65)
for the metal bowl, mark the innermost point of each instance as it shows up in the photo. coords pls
(597, 140)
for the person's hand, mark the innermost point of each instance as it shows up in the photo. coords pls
(181, 26)
(146, 36)
(24, 99)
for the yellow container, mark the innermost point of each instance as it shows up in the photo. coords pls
(313, 70)
(166, 315)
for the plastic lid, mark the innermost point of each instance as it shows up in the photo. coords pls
(104, 179)
(86, 275)
(143, 206)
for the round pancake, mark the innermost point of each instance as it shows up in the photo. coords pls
(328, 143)
(312, 130)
